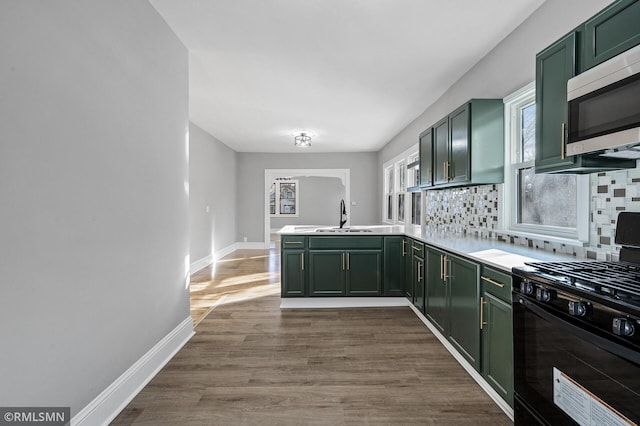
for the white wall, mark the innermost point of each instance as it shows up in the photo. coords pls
(94, 208)
(212, 182)
(508, 67)
(319, 202)
(251, 167)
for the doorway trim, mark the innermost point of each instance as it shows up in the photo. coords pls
(271, 174)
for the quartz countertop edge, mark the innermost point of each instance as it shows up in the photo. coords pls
(498, 254)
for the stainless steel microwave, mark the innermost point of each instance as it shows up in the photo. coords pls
(604, 108)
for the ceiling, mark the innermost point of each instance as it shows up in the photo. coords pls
(354, 72)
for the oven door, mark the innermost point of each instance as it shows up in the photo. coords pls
(566, 374)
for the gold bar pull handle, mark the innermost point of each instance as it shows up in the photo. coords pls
(302, 260)
(446, 262)
(562, 141)
(404, 245)
(442, 267)
(489, 280)
(482, 303)
(348, 260)
(343, 261)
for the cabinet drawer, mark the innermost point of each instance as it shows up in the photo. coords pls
(417, 248)
(345, 243)
(293, 241)
(496, 283)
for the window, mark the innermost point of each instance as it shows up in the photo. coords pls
(400, 173)
(389, 193)
(283, 198)
(546, 204)
(402, 188)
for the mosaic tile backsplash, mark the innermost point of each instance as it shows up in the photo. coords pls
(476, 211)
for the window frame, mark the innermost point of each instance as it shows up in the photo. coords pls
(277, 184)
(396, 166)
(514, 104)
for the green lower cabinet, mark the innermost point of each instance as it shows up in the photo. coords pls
(408, 270)
(464, 307)
(327, 273)
(395, 251)
(293, 273)
(418, 282)
(345, 272)
(497, 345)
(435, 289)
(363, 275)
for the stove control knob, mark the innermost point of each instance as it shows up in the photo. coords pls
(545, 295)
(578, 309)
(623, 327)
(527, 287)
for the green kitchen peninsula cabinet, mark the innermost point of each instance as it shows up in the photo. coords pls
(554, 67)
(293, 275)
(468, 145)
(395, 254)
(496, 331)
(609, 33)
(408, 269)
(345, 266)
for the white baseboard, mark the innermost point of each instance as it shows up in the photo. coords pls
(341, 302)
(465, 364)
(200, 263)
(208, 260)
(106, 406)
(252, 246)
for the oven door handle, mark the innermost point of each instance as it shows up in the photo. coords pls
(604, 344)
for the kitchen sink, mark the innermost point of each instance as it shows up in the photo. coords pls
(343, 230)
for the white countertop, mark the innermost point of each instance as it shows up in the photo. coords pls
(491, 252)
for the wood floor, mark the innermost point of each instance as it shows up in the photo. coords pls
(252, 364)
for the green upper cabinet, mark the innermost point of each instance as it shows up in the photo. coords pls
(459, 158)
(554, 67)
(395, 252)
(612, 31)
(468, 145)
(440, 151)
(426, 158)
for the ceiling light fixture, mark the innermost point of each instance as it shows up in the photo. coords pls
(302, 139)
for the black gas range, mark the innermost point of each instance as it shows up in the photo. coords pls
(577, 337)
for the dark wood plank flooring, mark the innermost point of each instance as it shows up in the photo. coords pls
(252, 364)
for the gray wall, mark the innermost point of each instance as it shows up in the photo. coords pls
(508, 67)
(212, 182)
(93, 210)
(319, 202)
(251, 167)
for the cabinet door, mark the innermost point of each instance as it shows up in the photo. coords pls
(440, 151)
(418, 282)
(393, 282)
(327, 272)
(363, 277)
(426, 158)
(497, 346)
(611, 32)
(293, 273)
(464, 307)
(408, 270)
(554, 67)
(459, 145)
(436, 289)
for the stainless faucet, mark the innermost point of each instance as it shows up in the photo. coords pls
(343, 213)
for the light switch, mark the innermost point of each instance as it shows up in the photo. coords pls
(207, 208)
(353, 203)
